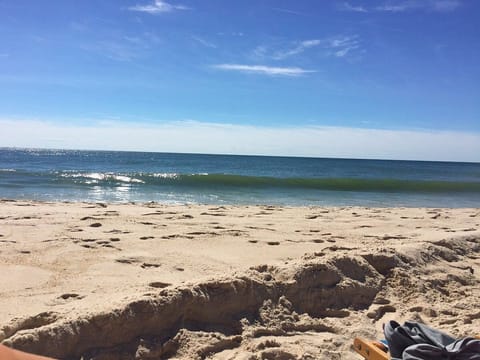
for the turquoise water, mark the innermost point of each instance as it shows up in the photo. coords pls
(68, 175)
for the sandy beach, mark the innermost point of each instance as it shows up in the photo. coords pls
(152, 281)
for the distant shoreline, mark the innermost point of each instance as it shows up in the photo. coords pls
(237, 155)
(189, 205)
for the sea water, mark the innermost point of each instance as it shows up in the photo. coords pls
(114, 176)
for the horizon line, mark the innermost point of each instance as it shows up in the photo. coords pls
(2, 148)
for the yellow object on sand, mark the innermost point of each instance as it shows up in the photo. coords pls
(370, 350)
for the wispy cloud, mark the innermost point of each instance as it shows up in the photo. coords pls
(343, 45)
(158, 7)
(204, 42)
(233, 33)
(400, 6)
(4, 55)
(123, 48)
(446, 5)
(337, 46)
(411, 5)
(264, 70)
(354, 8)
(299, 48)
(289, 11)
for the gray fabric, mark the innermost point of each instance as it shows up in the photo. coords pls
(415, 341)
(463, 349)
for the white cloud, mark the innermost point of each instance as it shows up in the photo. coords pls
(445, 5)
(411, 5)
(338, 46)
(200, 137)
(299, 48)
(396, 7)
(288, 11)
(158, 7)
(343, 45)
(399, 6)
(354, 8)
(265, 70)
(260, 51)
(204, 42)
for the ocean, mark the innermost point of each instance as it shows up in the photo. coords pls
(114, 176)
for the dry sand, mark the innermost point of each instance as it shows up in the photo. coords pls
(150, 281)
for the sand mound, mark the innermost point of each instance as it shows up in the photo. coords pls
(309, 308)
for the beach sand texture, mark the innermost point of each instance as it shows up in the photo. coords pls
(152, 281)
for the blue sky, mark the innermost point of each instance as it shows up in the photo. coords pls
(267, 66)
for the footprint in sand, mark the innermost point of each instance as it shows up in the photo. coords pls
(116, 231)
(90, 218)
(147, 237)
(185, 216)
(159, 284)
(378, 313)
(135, 260)
(95, 225)
(160, 213)
(393, 237)
(128, 260)
(212, 214)
(8, 241)
(203, 233)
(96, 205)
(88, 246)
(264, 213)
(273, 243)
(107, 244)
(146, 265)
(175, 236)
(235, 232)
(71, 296)
(218, 208)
